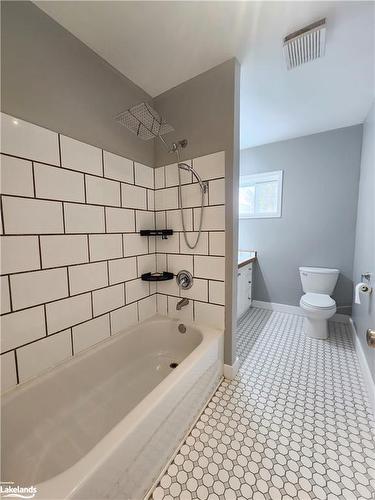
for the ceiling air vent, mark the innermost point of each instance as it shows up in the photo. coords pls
(305, 44)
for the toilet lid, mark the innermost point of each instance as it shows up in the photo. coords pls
(318, 300)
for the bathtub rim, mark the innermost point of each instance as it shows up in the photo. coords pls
(67, 482)
(182, 441)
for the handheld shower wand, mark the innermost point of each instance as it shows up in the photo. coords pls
(185, 166)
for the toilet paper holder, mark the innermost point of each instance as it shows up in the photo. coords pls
(366, 276)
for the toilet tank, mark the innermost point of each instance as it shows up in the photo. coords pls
(318, 279)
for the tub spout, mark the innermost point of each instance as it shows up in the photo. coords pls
(181, 303)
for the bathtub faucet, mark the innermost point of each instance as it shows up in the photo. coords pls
(181, 303)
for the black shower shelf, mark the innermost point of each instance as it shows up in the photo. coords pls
(164, 276)
(164, 233)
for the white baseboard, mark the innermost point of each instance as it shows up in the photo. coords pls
(366, 373)
(274, 306)
(230, 371)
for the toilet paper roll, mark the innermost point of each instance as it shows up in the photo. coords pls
(361, 288)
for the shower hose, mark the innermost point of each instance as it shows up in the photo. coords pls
(190, 245)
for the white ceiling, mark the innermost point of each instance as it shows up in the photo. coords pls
(159, 45)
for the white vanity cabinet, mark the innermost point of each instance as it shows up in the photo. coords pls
(244, 279)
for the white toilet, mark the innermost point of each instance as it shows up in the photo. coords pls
(318, 283)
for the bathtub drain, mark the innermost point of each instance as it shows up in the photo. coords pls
(173, 365)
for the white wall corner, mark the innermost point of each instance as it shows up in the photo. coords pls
(230, 371)
(366, 373)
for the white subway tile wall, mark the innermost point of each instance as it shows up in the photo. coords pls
(125, 317)
(38, 356)
(80, 156)
(118, 168)
(72, 255)
(16, 176)
(206, 262)
(5, 296)
(91, 332)
(58, 184)
(69, 247)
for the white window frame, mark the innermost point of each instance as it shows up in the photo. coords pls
(253, 179)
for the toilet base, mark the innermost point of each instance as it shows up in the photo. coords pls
(316, 328)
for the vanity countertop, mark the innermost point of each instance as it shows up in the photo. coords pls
(246, 257)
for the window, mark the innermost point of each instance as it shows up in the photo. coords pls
(260, 195)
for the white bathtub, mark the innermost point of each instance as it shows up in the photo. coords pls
(104, 424)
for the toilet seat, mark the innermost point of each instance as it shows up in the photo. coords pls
(318, 301)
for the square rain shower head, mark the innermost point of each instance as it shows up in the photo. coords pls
(305, 45)
(144, 121)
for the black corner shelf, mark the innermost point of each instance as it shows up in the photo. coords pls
(164, 276)
(164, 233)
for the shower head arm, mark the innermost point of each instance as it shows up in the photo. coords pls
(175, 146)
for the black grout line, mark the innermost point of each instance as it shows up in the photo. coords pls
(107, 205)
(122, 246)
(68, 280)
(105, 220)
(2, 214)
(63, 218)
(72, 296)
(110, 324)
(195, 300)
(10, 296)
(66, 328)
(102, 233)
(75, 170)
(71, 340)
(108, 279)
(103, 162)
(90, 204)
(59, 146)
(16, 363)
(105, 259)
(92, 304)
(88, 247)
(85, 188)
(33, 174)
(192, 181)
(45, 318)
(40, 252)
(120, 195)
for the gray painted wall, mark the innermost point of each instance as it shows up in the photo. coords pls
(364, 256)
(205, 110)
(317, 227)
(50, 78)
